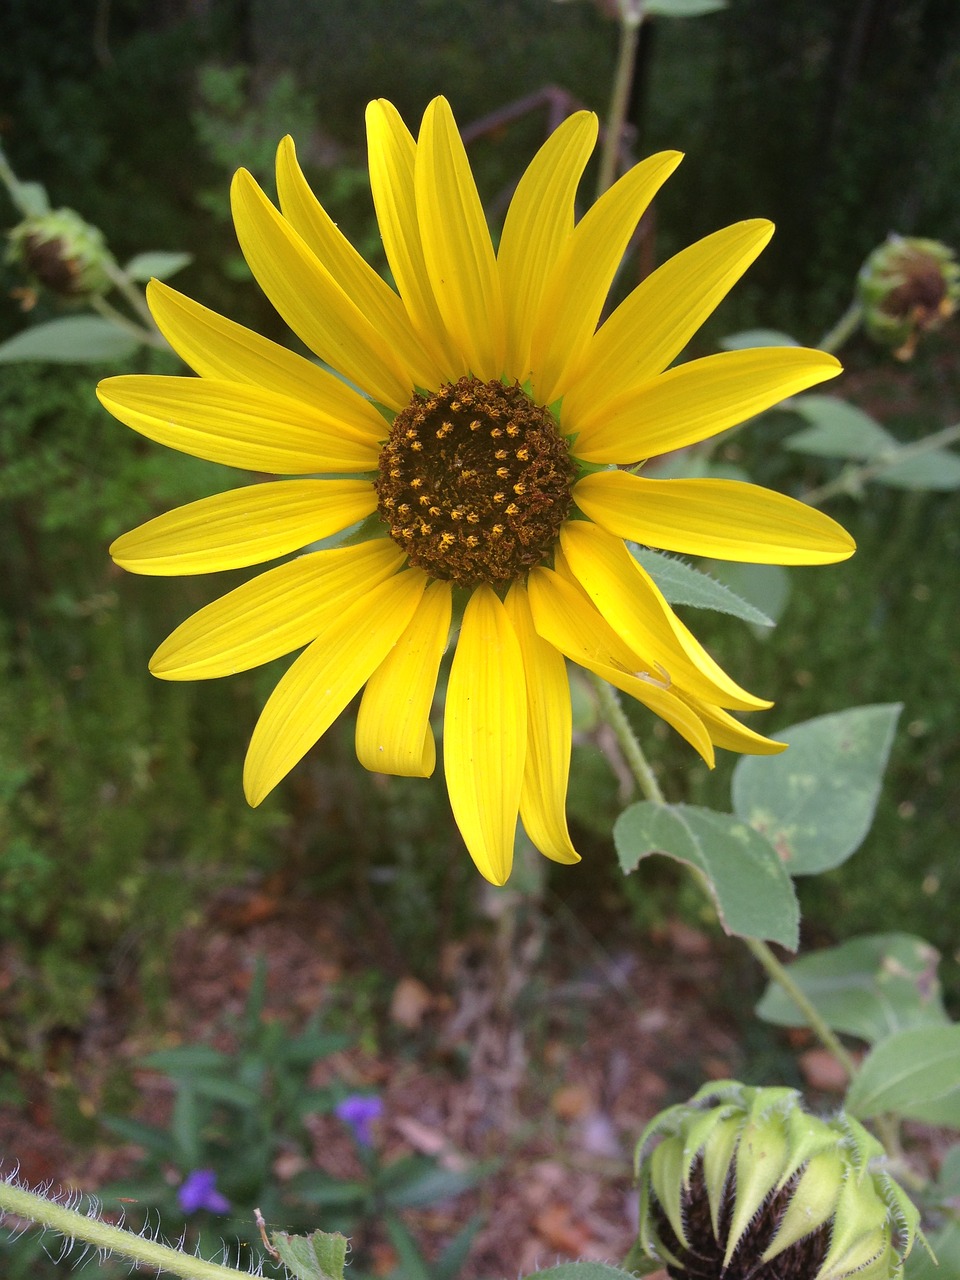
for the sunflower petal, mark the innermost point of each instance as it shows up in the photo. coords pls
(393, 724)
(371, 294)
(538, 222)
(667, 309)
(634, 606)
(241, 426)
(727, 732)
(392, 154)
(218, 348)
(725, 519)
(245, 526)
(275, 613)
(566, 619)
(576, 289)
(325, 677)
(311, 301)
(695, 401)
(456, 243)
(549, 736)
(485, 734)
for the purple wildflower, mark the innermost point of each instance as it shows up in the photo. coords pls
(358, 1111)
(199, 1191)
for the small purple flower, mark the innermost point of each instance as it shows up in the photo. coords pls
(199, 1191)
(358, 1111)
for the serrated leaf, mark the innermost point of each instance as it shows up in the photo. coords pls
(867, 987)
(815, 802)
(939, 469)
(838, 429)
(582, 1271)
(71, 340)
(913, 1073)
(318, 1256)
(157, 264)
(763, 586)
(753, 894)
(757, 338)
(682, 584)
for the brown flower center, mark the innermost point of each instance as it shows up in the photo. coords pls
(474, 482)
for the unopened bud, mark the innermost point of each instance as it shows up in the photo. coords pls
(906, 288)
(742, 1182)
(63, 253)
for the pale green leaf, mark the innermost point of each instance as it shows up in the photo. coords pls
(867, 987)
(318, 1256)
(683, 8)
(71, 340)
(913, 1073)
(682, 584)
(939, 469)
(838, 429)
(945, 1244)
(157, 264)
(753, 894)
(815, 802)
(32, 199)
(749, 338)
(764, 586)
(583, 1271)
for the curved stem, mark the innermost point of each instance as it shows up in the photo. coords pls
(845, 328)
(852, 479)
(615, 716)
(75, 1225)
(631, 19)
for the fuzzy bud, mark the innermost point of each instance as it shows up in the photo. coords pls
(742, 1182)
(63, 253)
(907, 287)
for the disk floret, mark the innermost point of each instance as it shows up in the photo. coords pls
(474, 482)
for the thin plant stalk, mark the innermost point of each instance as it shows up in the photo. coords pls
(631, 20)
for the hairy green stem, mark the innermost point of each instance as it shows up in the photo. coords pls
(615, 716)
(845, 328)
(631, 20)
(75, 1225)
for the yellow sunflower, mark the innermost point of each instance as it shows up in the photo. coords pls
(474, 437)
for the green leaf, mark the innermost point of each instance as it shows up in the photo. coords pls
(764, 586)
(157, 264)
(948, 1180)
(838, 429)
(454, 1256)
(72, 340)
(682, 584)
(411, 1182)
(318, 1188)
(189, 1060)
(867, 987)
(753, 894)
(583, 1271)
(318, 1256)
(946, 1247)
(413, 1265)
(939, 469)
(32, 198)
(683, 8)
(913, 1073)
(757, 338)
(815, 803)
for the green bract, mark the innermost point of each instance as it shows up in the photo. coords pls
(63, 253)
(742, 1182)
(907, 287)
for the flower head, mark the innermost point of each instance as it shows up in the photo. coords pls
(63, 253)
(473, 436)
(742, 1182)
(199, 1191)
(358, 1111)
(907, 287)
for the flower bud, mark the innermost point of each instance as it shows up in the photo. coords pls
(907, 287)
(62, 252)
(742, 1182)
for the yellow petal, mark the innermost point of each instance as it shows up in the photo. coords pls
(725, 519)
(485, 734)
(577, 287)
(543, 797)
(393, 724)
(241, 426)
(371, 295)
(695, 401)
(325, 677)
(538, 222)
(218, 348)
(275, 613)
(727, 732)
(656, 321)
(634, 606)
(565, 618)
(245, 526)
(456, 244)
(311, 302)
(391, 153)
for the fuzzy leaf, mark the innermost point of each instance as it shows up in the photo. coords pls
(583, 1271)
(157, 264)
(757, 338)
(939, 469)
(815, 803)
(913, 1073)
(682, 584)
(318, 1256)
(753, 894)
(867, 987)
(838, 429)
(71, 340)
(683, 8)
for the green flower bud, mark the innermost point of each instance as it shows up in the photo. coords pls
(62, 252)
(906, 288)
(743, 1184)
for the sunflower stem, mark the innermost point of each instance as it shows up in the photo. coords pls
(142, 334)
(631, 20)
(852, 479)
(616, 718)
(75, 1225)
(845, 328)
